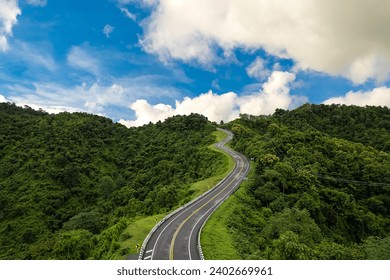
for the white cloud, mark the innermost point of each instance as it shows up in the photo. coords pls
(113, 99)
(146, 113)
(371, 66)
(107, 30)
(3, 43)
(55, 98)
(149, 2)
(336, 37)
(8, 17)
(3, 99)
(215, 84)
(108, 99)
(128, 14)
(257, 69)
(35, 55)
(139, 2)
(376, 97)
(275, 94)
(38, 3)
(80, 57)
(215, 107)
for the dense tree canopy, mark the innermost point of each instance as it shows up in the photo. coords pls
(68, 180)
(70, 183)
(321, 188)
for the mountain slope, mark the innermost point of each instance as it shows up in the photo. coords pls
(320, 188)
(70, 183)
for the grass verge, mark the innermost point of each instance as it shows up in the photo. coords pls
(137, 230)
(228, 165)
(217, 238)
(135, 234)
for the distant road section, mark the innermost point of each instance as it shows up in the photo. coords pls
(176, 237)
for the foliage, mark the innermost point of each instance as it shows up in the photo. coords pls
(68, 180)
(321, 188)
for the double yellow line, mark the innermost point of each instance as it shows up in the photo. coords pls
(172, 247)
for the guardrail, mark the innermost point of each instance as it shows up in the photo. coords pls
(199, 246)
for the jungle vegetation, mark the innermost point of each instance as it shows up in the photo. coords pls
(70, 183)
(321, 184)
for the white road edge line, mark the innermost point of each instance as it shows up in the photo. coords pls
(184, 211)
(201, 228)
(222, 143)
(213, 207)
(165, 227)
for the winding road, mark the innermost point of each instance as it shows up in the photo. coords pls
(176, 237)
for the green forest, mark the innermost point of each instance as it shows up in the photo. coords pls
(320, 187)
(71, 183)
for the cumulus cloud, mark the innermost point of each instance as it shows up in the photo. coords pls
(8, 18)
(275, 93)
(146, 113)
(257, 69)
(215, 107)
(336, 37)
(376, 97)
(371, 66)
(107, 30)
(38, 3)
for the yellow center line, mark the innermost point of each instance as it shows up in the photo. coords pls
(172, 247)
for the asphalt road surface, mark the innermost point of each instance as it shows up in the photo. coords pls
(177, 237)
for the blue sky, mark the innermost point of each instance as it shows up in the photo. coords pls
(141, 61)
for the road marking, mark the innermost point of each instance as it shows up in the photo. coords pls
(172, 247)
(179, 215)
(214, 207)
(187, 210)
(147, 252)
(197, 203)
(148, 257)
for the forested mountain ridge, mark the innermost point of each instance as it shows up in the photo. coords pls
(70, 182)
(368, 125)
(321, 185)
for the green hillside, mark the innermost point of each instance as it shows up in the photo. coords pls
(320, 187)
(71, 183)
(78, 186)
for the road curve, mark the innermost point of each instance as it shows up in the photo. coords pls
(176, 237)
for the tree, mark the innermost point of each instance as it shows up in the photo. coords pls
(377, 248)
(288, 247)
(73, 245)
(106, 185)
(91, 221)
